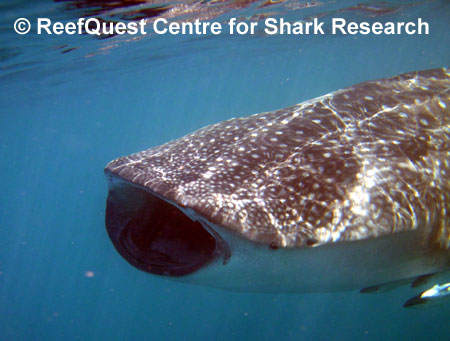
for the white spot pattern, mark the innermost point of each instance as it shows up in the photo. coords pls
(362, 162)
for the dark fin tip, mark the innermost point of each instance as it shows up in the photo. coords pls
(413, 301)
(370, 290)
(423, 279)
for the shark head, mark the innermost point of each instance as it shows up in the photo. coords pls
(346, 190)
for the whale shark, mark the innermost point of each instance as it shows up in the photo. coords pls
(345, 191)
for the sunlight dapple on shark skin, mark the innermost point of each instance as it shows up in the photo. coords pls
(344, 191)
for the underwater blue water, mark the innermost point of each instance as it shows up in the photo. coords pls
(63, 116)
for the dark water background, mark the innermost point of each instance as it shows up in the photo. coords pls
(70, 104)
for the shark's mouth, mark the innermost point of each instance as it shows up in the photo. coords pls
(155, 236)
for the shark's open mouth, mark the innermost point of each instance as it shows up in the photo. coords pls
(155, 236)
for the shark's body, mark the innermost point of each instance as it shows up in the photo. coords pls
(344, 191)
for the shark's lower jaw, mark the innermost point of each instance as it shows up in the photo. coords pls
(155, 236)
(158, 237)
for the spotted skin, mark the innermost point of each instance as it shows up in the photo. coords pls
(363, 162)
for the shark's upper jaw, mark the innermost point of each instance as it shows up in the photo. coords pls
(155, 236)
